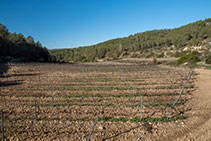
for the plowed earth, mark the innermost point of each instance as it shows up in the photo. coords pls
(61, 102)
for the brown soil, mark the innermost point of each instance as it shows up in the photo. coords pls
(198, 125)
(103, 80)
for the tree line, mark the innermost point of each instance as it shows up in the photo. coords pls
(193, 34)
(15, 47)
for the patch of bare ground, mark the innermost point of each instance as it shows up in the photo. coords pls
(198, 125)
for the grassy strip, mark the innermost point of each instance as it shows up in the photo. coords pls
(104, 118)
(103, 88)
(72, 104)
(105, 105)
(96, 95)
(163, 119)
(157, 104)
(163, 104)
(105, 84)
(147, 119)
(111, 105)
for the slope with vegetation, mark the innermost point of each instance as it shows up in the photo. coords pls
(16, 48)
(156, 43)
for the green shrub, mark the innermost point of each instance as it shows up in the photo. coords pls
(104, 118)
(134, 56)
(208, 59)
(191, 58)
(119, 120)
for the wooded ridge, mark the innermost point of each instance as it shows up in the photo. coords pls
(155, 43)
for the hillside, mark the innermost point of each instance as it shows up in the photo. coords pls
(16, 48)
(156, 43)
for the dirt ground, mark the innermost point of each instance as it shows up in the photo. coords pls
(198, 125)
(197, 108)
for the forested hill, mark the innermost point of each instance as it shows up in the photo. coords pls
(155, 43)
(16, 48)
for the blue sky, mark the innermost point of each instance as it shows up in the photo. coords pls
(73, 23)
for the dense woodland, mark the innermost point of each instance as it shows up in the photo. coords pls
(16, 48)
(194, 34)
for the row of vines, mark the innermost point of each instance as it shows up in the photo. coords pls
(62, 101)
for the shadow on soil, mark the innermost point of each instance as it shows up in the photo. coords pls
(118, 134)
(10, 83)
(26, 74)
(3, 70)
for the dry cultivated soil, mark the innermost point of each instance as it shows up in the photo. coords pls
(132, 100)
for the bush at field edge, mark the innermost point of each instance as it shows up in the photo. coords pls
(190, 58)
